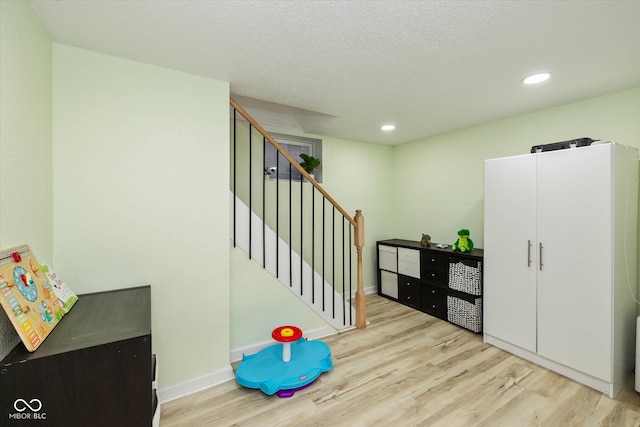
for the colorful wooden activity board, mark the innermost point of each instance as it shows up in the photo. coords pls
(27, 297)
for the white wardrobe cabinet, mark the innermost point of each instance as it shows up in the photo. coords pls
(560, 257)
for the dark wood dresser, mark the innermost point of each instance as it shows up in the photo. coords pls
(95, 368)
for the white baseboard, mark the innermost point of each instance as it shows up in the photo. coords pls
(195, 385)
(201, 383)
(367, 290)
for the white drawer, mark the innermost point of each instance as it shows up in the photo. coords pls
(409, 269)
(388, 258)
(389, 284)
(409, 255)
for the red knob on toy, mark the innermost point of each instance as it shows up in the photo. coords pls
(286, 335)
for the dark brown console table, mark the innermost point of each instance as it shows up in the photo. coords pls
(439, 282)
(95, 368)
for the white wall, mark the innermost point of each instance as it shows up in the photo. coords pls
(25, 131)
(141, 195)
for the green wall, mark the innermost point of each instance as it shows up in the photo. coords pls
(141, 197)
(138, 157)
(25, 131)
(358, 176)
(436, 185)
(439, 182)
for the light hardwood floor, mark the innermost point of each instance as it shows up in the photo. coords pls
(410, 369)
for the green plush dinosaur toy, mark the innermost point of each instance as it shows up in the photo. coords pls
(463, 243)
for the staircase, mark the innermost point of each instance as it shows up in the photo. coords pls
(294, 229)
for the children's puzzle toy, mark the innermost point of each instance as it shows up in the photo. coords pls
(463, 243)
(287, 367)
(27, 297)
(60, 288)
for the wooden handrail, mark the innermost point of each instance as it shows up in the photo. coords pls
(291, 160)
(357, 221)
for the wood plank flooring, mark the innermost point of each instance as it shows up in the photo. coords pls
(410, 369)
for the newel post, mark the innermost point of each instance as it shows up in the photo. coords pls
(361, 302)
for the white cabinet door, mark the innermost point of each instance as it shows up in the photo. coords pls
(575, 280)
(509, 252)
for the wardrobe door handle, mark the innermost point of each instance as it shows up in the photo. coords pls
(540, 256)
(528, 253)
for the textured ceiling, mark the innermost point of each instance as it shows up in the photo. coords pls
(428, 66)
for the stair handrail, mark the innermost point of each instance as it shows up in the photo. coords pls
(357, 221)
(291, 160)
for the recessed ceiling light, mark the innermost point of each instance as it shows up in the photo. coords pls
(536, 78)
(388, 128)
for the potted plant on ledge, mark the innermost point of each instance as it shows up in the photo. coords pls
(270, 172)
(309, 163)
